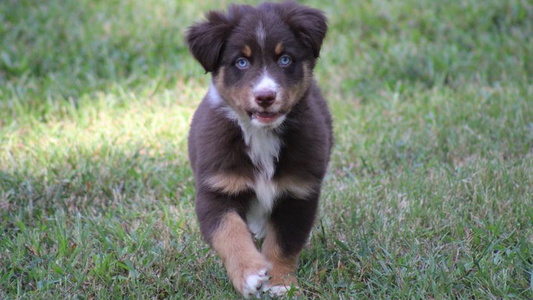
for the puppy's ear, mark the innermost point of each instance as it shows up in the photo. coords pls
(206, 40)
(309, 24)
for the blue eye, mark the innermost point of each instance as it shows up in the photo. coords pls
(242, 63)
(284, 61)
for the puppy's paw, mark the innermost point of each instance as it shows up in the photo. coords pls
(280, 290)
(254, 283)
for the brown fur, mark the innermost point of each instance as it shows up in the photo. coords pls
(247, 51)
(283, 266)
(229, 183)
(234, 244)
(279, 49)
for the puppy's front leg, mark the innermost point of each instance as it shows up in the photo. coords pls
(246, 267)
(288, 231)
(283, 266)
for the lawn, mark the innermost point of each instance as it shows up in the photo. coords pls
(429, 194)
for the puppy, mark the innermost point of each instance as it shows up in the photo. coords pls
(260, 141)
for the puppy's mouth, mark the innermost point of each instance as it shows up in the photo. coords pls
(266, 117)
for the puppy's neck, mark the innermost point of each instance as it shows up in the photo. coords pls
(263, 143)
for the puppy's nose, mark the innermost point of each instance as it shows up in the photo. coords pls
(265, 98)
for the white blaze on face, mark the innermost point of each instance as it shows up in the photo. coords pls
(266, 83)
(261, 35)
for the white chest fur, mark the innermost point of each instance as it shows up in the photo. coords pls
(263, 150)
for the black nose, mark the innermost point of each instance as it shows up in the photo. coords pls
(265, 98)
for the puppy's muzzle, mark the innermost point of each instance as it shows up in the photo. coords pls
(264, 98)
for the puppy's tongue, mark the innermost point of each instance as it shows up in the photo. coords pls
(265, 117)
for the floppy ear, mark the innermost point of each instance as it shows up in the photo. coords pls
(206, 39)
(308, 24)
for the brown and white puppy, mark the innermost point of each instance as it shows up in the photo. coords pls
(260, 140)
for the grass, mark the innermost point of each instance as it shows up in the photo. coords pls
(429, 194)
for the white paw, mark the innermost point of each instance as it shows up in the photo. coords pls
(277, 290)
(254, 283)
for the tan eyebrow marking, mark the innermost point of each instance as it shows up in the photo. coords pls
(247, 51)
(279, 48)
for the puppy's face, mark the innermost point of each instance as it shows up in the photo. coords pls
(262, 72)
(261, 58)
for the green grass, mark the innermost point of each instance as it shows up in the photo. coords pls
(429, 194)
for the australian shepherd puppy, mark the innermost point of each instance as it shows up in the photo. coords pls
(260, 140)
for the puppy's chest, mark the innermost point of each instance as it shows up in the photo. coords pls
(263, 150)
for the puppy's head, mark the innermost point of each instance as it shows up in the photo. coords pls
(261, 57)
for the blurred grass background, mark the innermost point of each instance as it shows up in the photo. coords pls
(429, 193)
